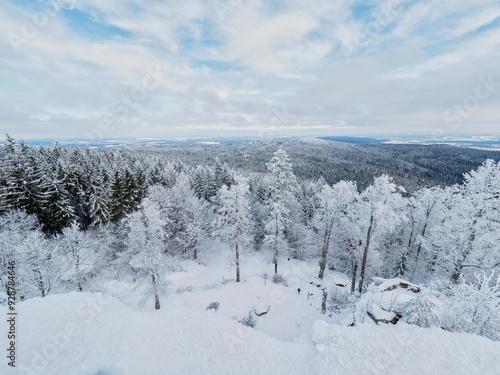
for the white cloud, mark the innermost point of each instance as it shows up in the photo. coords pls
(407, 71)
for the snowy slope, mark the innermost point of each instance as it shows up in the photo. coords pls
(80, 333)
(85, 333)
(402, 349)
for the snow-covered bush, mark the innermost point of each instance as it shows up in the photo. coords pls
(420, 312)
(475, 307)
(340, 298)
(213, 306)
(249, 320)
(278, 279)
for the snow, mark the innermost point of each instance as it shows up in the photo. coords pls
(312, 140)
(402, 349)
(385, 297)
(94, 333)
(385, 284)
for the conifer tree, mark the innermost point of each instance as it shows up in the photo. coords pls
(283, 185)
(118, 208)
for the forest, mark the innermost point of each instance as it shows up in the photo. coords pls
(73, 218)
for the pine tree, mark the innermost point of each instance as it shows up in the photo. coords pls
(118, 208)
(60, 213)
(99, 202)
(25, 185)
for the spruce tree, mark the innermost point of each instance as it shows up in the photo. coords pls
(118, 209)
(281, 191)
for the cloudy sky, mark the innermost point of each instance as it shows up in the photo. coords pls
(136, 68)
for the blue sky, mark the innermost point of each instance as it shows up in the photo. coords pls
(129, 68)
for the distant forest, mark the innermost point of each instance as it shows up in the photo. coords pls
(411, 166)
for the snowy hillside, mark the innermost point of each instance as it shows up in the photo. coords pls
(105, 334)
(123, 265)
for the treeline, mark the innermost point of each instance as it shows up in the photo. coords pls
(412, 166)
(90, 186)
(76, 218)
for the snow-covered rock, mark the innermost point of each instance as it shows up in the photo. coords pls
(385, 299)
(384, 285)
(261, 309)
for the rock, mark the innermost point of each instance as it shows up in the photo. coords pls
(261, 309)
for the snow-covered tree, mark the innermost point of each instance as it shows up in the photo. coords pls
(15, 225)
(146, 249)
(420, 312)
(232, 223)
(36, 263)
(187, 214)
(333, 204)
(467, 237)
(283, 185)
(379, 209)
(423, 214)
(60, 212)
(80, 257)
(99, 202)
(474, 307)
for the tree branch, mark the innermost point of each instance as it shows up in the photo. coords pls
(486, 268)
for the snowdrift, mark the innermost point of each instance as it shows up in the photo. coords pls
(84, 333)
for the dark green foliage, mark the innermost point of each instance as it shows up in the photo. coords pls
(63, 185)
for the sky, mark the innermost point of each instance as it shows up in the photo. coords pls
(110, 69)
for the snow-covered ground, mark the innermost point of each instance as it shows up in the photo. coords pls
(93, 333)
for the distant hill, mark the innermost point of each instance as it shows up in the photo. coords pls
(412, 166)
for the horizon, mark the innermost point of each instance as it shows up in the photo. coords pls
(486, 143)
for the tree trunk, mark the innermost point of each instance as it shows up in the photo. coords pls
(324, 253)
(275, 257)
(353, 280)
(365, 255)
(157, 297)
(237, 255)
(419, 248)
(460, 264)
(410, 242)
(467, 251)
(41, 287)
(323, 302)
(157, 302)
